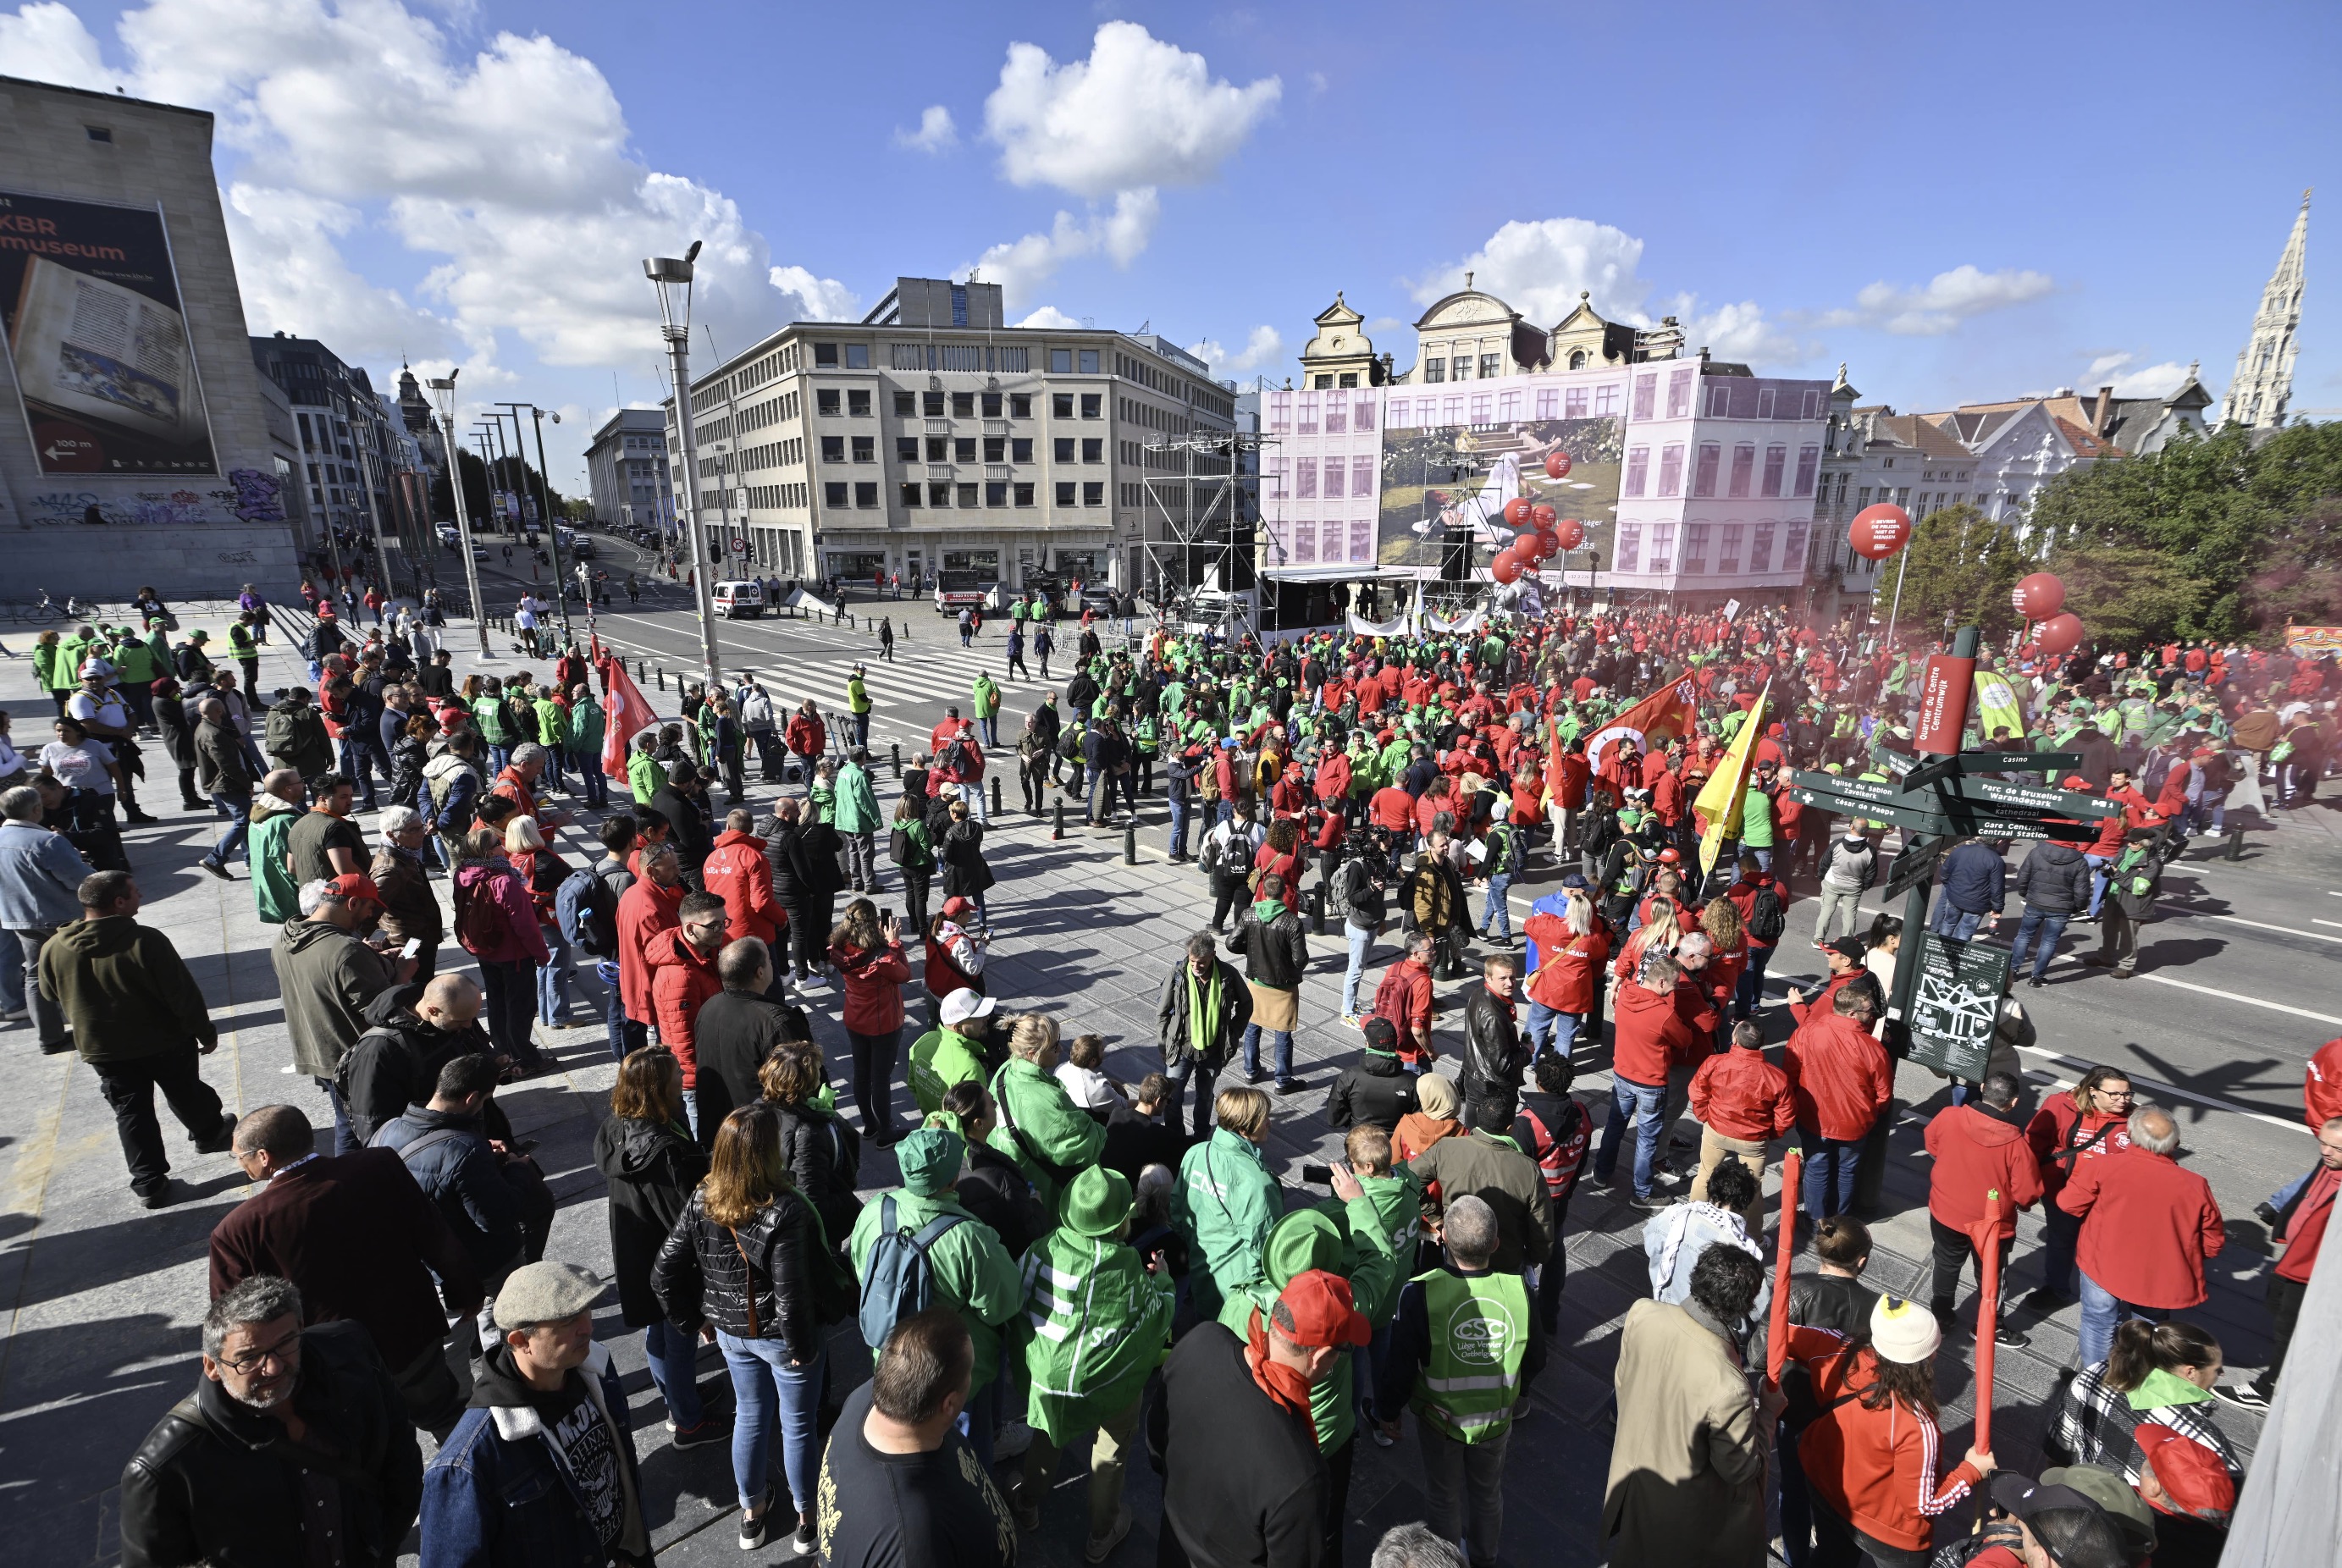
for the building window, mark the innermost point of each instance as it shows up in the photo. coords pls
(1020, 405)
(1809, 459)
(1323, 381)
(832, 449)
(1508, 406)
(1630, 547)
(1024, 493)
(1062, 449)
(1061, 362)
(1093, 449)
(1694, 547)
(1020, 449)
(939, 494)
(991, 405)
(1719, 402)
(1280, 413)
(1793, 544)
(858, 403)
(1663, 547)
(1061, 405)
(940, 449)
(931, 405)
(1776, 462)
(1548, 402)
(1337, 415)
(825, 356)
(1361, 414)
(1362, 474)
(1903, 498)
(1605, 401)
(906, 405)
(1451, 411)
(1305, 422)
(1093, 490)
(865, 449)
(1305, 474)
(1678, 402)
(1578, 359)
(1092, 404)
(1066, 488)
(1671, 457)
(1305, 539)
(1638, 469)
(911, 495)
(1704, 470)
(1480, 402)
(1489, 369)
(1728, 556)
(1349, 378)
(1434, 370)
(963, 448)
(964, 495)
(866, 494)
(1334, 466)
(1400, 412)
(1089, 362)
(857, 357)
(1744, 468)
(825, 401)
(833, 493)
(1760, 548)
(995, 492)
(995, 449)
(1646, 391)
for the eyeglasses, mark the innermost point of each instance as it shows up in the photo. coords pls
(285, 1352)
(2118, 1094)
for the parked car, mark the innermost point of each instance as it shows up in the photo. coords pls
(1215, 610)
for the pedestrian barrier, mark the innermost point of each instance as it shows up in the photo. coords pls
(1130, 843)
(996, 794)
(1058, 830)
(895, 750)
(1317, 910)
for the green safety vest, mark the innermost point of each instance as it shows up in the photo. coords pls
(1479, 1337)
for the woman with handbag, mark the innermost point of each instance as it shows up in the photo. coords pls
(652, 1165)
(744, 1267)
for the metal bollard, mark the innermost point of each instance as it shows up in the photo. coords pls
(2236, 843)
(662, 677)
(1058, 830)
(897, 748)
(1317, 910)
(996, 794)
(1130, 843)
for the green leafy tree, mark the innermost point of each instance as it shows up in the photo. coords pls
(1960, 566)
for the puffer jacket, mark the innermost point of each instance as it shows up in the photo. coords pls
(824, 1156)
(752, 1283)
(874, 980)
(458, 1174)
(736, 871)
(2054, 878)
(682, 978)
(1372, 1091)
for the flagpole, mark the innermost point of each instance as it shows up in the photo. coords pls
(1902, 570)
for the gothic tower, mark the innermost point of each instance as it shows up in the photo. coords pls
(2264, 379)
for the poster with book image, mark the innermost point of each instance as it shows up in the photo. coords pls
(98, 339)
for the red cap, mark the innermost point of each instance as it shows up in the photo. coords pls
(955, 908)
(1670, 857)
(1322, 1310)
(451, 721)
(325, 610)
(2194, 1480)
(353, 884)
(2076, 782)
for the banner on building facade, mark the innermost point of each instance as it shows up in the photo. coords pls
(97, 337)
(1442, 484)
(2309, 642)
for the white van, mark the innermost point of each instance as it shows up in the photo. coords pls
(734, 600)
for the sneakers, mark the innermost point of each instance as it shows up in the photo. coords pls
(802, 1543)
(1255, 1075)
(1349, 1021)
(1025, 1506)
(1382, 1439)
(1652, 1202)
(2008, 1338)
(217, 869)
(14, 1015)
(2045, 1300)
(1290, 1085)
(1101, 1547)
(710, 1430)
(170, 1192)
(2244, 1395)
(752, 1531)
(219, 1143)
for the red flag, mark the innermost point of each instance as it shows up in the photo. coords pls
(1664, 715)
(625, 713)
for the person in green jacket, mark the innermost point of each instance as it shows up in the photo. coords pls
(1101, 1321)
(274, 810)
(587, 727)
(1226, 1199)
(954, 1051)
(857, 705)
(1040, 1128)
(856, 818)
(971, 1271)
(984, 694)
(489, 716)
(646, 774)
(53, 669)
(1756, 822)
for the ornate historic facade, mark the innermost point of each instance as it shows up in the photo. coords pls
(2263, 383)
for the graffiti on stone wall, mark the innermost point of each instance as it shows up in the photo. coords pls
(256, 499)
(239, 557)
(250, 496)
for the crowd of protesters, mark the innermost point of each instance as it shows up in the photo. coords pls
(1058, 1258)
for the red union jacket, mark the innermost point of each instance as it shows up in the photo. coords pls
(682, 978)
(1652, 1034)
(1739, 1094)
(1839, 1076)
(1975, 1152)
(737, 873)
(1874, 1468)
(2149, 1224)
(2321, 1086)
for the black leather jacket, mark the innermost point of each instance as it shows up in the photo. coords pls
(1495, 1056)
(709, 1273)
(1372, 1091)
(217, 1483)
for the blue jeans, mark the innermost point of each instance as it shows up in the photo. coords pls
(1748, 994)
(1496, 915)
(625, 1034)
(1177, 1074)
(2051, 926)
(1280, 1050)
(588, 770)
(553, 980)
(675, 1367)
(499, 755)
(346, 1138)
(2098, 864)
(1764, 857)
(1362, 947)
(989, 728)
(1830, 1168)
(1640, 1103)
(1959, 924)
(2101, 1310)
(767, 1391)
(239, 825)
(1561, 1028)
(12, 971)
(1178, 842)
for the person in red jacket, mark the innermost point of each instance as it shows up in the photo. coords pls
(736, 871)
(2073, 1127)
(1977, 1148)
(645, 910)
(1762, 901)
(868, 954)
(2148, 1225)
(1404, 1000)
(2321, 1086)
(1571, 945)
(1843, 956)
(682, 963)
(2108, 846)
(1841, 1080)
(2301, 1226)
(1869, 1458)
(806, 736)
(1651, 1036)
(1742, 1103)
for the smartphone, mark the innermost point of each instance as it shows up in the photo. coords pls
(1321, 1175)
(413, 949)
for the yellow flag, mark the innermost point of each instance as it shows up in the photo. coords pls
(1997, 706)
(1719, 800)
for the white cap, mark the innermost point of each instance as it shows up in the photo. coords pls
(963, 1005)
(1904, 1331)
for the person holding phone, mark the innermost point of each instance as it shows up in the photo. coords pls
(868, 954)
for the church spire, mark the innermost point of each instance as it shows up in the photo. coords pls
(2263, 383)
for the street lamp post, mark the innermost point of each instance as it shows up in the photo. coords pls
(544, 507)
(667, 273)
(442, 392)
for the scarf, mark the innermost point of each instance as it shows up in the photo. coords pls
(1284, 1385)
(1202, 1010)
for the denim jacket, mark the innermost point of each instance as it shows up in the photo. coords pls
(496, 1496)
(40, 876)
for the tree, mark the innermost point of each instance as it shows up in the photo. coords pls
(1961, 567)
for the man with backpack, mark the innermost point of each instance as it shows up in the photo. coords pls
(1762, 901)
(586, 908)
(918, 1246)
(1553, 1129)
(1505, 855)
(445, 1148)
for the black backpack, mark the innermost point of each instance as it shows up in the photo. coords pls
(1766, 920)
(955, 757)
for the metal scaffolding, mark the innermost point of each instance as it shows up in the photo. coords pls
(1200, 514)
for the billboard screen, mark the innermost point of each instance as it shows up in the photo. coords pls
(98, 339)
(1446, 479)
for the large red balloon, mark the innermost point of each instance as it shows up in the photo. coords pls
(1877, 532)
(1543, 515)
(1505, 568)
(2040, 597)
(1557, 466)
(2059, 634)
(1530, 547)
(1516, 512)
(1548, 541)
(1573, 534)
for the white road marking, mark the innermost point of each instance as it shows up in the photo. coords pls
(2316, 920)
(2233, 996)
(2264, 925)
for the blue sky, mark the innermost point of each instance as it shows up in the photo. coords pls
(1961, 207)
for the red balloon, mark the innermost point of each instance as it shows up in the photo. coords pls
(1557, 466)
(1543, 517)
(1548, 541)
(1877, 532)
(1572, 533)
(2059, 634)
(1528, 549)
(1505, 568)
(2040, 597)
(1516, 512)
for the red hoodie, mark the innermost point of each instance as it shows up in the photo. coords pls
(737, 873)
(874, 986)
(1975, 1152)
(2148, 1225)
(682, 978)
(1840, 1076)
(2321, 1086)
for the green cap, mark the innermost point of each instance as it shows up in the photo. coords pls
(1097, 1202)
(930, 1160)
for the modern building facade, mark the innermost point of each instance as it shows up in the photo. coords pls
(931, 438)
(626, 472)
(358, 462)
(2263, 383)
(133, 406)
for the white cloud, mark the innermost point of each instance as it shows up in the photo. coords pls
(1137, 111)
(824, 299)
(2146, 381)
(1023, 267)
(508, 164)
(1265, 347)
(935, 132)
(46, 42)
(1942, 303)
(1049, 315)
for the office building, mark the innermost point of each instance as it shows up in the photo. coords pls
(627, 471)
